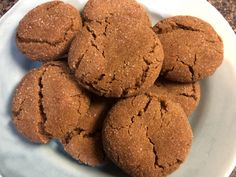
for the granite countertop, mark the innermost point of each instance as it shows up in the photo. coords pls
(226, 7)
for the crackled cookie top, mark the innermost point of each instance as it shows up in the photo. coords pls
(48, 103)
(192, 48)
(186, 94)
(85, 142)
(99, 10)
(116, 58)
(46, 32)
(147, 135)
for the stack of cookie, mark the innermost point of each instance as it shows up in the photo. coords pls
(111, 86)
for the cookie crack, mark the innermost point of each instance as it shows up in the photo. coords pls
(137, 115)
(52, 44)
(139, 82)
(42, 111)
(163, 110)
(93, 43)
(94, 86)
(190, 67)
(107, 24)
(189, 96)
(185, 27)
(79, 131)
(156, 163)
(16, 113)
(78, 60)
(176, 26)
(41, 107)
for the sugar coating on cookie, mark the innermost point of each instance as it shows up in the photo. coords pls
(193, 50)
(45, 33)
(116, 58)
(186, 94)
(85, 142)
(147, 135)
(99, 10)
(48, 103)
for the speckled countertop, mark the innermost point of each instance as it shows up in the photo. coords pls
(226, 7)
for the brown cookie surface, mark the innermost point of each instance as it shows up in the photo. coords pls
(85, 142)
(192, 48)
(116, 58)
(147, 135)
(186, 94)
(48, 103)
(45, 33)
(99, 10)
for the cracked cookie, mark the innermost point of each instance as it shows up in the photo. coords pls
(85, 142)
(45, 33)
(186, 94)
(147, 135)
(48, 103)
(99, 10)
(119, 57)
(193, 50)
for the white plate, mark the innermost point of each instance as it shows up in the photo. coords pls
(213, 153)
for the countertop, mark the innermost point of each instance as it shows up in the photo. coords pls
(226, 7)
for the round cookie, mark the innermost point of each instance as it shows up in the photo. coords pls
(147, 135)
(45, 33)
(48, 103)
(100, 10)
(85, 142)
(119, 58)
(193, 50)
(186, 94)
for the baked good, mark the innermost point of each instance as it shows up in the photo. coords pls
(48, 103)
(85, 142)
(119, 58)
(45, 33)
(101, 10)
(147, 135)
(193, 50)
(186, 94)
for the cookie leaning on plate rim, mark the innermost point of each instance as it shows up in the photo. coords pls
(45, 33)
(193, 50)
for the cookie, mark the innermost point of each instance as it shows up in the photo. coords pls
(186, 94)
(119, 58)
(147, 135)
(85, 142)
(100, 10)
(193, 50)
(48, 103)
(45, 33)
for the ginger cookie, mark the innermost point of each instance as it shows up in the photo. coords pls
(100, 10)
(85, 142)
(147, 135)
(48, 103)
(186, 94)
(45, 33)
(116, 58)
(193, 50)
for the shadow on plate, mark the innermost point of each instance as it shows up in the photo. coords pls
(109, 168)
(23, 139)
(198, 114)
